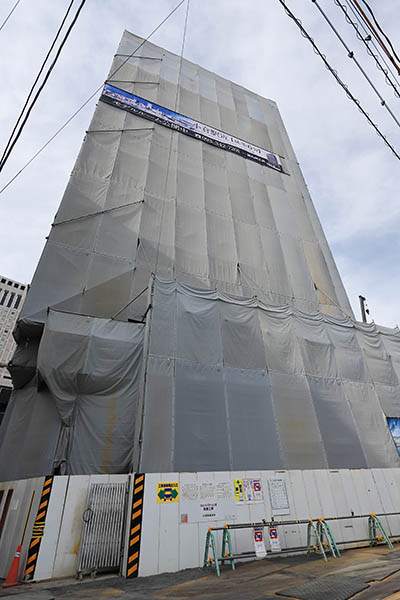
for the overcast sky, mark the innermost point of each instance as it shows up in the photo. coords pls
(353, 178)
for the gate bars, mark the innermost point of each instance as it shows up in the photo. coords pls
(103, 528)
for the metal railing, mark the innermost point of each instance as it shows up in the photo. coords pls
(319, 538)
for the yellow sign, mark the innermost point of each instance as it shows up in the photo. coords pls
(239, 492)
(167, 492)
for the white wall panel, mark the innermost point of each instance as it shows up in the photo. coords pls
(189, 535)
(301, 507)
(384, 485)
(169, 545)
(354, 528)
(169, 531)
(48, 546)
(66, 561)
(150, 542)
(16, 517)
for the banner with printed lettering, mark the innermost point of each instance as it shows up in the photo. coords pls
(169, 118)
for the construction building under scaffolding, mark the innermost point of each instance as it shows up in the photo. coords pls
(186, 313)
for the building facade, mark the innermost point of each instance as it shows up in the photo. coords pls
(186, 313)
(12, 296)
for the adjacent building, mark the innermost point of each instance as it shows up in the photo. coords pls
(186, 313)
(12, 296)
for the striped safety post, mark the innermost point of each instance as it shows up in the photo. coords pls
(38, 529)
(135, 526)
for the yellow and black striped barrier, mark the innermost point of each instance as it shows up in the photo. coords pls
(38, 529)
(135, 526)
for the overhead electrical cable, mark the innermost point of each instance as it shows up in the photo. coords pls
(336, 76)
(172, 136)
(36, 80)
(42, 85)
(381, 30)
(82, 106)
(351, 55)
(362, 38)
(369, 39)
(9, 14)
(163, 203)
(376, 34)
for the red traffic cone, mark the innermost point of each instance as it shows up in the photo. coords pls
(12, 577)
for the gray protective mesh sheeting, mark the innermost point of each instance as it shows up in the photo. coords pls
(92, 369)
(233, 383)
(142, 199)
(29, 443)
(83, 418)
(241, 352)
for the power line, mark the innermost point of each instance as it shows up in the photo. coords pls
(28, 112)
(78, 110)
(365, 40)
(172, 137)
(351, 55)
(370, 39)
(36, 80)
(381, 30)
(9, 14)
(375, 33)
(336, 76)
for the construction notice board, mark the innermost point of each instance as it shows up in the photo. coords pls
(207, 501)
(278, 496)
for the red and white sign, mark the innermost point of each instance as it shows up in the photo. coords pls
(274, 539)
(257, 490)
(259, 545)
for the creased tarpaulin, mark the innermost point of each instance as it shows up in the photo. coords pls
(244, 367)
(231, 383)
(28, 434)
(91, 368)
(89, 373)
(244, 385)
(143, 199)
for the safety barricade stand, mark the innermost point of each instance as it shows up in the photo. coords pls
(320, 539)
(374, 523)
(210, 543)
(226, 551)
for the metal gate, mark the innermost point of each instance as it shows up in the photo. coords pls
(102, 531)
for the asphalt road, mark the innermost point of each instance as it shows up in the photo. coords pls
(362, 574)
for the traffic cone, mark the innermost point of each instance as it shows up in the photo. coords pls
(12, 577)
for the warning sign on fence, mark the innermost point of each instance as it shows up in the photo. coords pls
(274, 539)
(248, 490)
(259, 545)
(238, 487)
(167, 491)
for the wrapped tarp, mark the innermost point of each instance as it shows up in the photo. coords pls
(80, 416)
(242, 352)
(219, 382)
(234, 383)
(145, 199)
(92, 370)
(28, 434)
(22, 367)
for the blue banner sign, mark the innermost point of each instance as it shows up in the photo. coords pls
(168, 118)
(394, 426)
